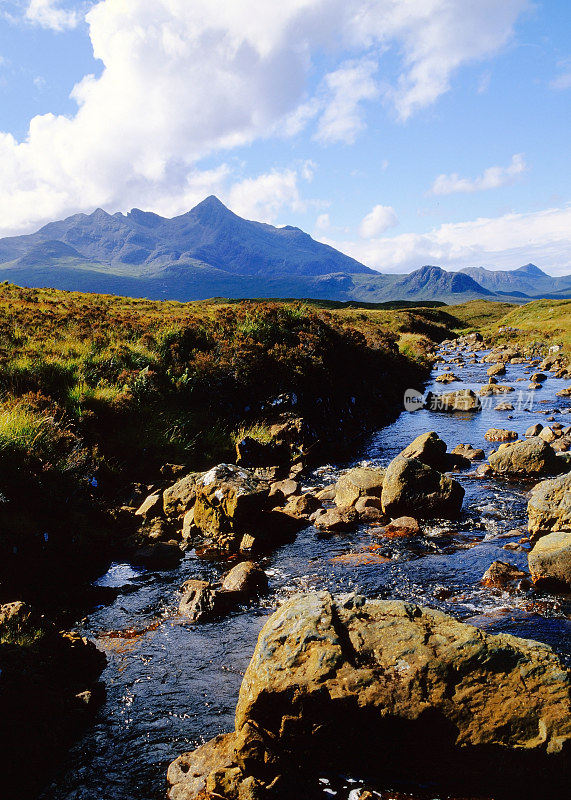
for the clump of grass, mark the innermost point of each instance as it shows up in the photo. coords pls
(259, 431)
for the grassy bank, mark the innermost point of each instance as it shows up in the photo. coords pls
(90, 378)
(98, 392)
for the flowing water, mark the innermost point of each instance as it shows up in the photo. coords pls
(172, 685)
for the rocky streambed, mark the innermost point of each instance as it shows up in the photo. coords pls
(173, 684)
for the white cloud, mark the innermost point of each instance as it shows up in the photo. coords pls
(322, 223)
(491, 178)
(561, 82)
(182, 81)
(263, 198)
(48, 14)
(346, 88)
(377, 221)
(508, 241)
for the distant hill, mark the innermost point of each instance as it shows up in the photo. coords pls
(529, 281)
(210, 251)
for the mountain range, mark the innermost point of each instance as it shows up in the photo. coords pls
(210, 251)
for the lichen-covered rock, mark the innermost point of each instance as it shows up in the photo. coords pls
(447, 377)
(411, 487)
(550, 559)
(187, 775)
(228, 501)
(180, 497)
(362, 683)
(549, 506)
(428, 448)
(496, 369)
(358, 482)
(527, 457)
(500, 435)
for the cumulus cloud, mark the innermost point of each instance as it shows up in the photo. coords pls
(347, 88)
(49, 14)
(491, 178)
(182, 81)
(264, 197)
(377, 221)
(507, 241)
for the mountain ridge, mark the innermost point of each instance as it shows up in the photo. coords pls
(211, 251)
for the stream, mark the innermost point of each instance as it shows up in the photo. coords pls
(172, 685)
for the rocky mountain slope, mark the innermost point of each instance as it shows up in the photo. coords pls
(210, 251)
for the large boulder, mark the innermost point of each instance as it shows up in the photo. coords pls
(550, 559)
(428, 448)
(462, 400)
(411, 487)
(527, 457)
(384, 688)
(358, 482)
(549, 506)
(229, 500)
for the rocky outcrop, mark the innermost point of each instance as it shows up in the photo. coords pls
(388, 690)
(550, 559)
(48, 691)
(413, 487)
(527, 457)
(549, 506)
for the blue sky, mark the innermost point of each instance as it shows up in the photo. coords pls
(404, 133)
